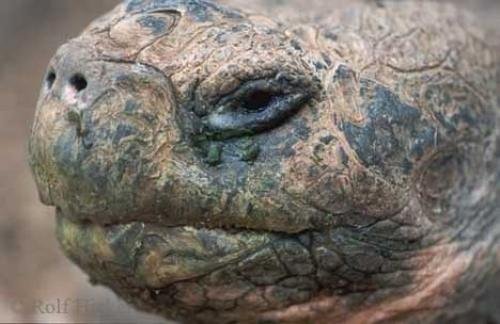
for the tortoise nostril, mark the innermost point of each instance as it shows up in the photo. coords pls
(78, 82)
(51, 78)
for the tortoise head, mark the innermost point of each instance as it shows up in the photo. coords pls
(207, 163)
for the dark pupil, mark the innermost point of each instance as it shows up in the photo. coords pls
(258, 100)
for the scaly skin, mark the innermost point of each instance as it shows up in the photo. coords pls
(214, 165)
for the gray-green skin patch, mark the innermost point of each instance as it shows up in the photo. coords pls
(214, 165)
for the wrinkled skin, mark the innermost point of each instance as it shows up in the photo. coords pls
(214, 165)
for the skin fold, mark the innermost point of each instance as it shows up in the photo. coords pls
(216, 165)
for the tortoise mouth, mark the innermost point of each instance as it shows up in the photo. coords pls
(181, 271)
(152, 255)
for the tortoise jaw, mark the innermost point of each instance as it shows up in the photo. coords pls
(154, 256)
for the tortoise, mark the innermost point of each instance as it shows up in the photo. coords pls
(213, 164)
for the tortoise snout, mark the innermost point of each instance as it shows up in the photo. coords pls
(94, 141)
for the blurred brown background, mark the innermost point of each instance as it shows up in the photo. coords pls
(36, 280)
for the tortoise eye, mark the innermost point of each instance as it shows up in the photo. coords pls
(256, 107)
